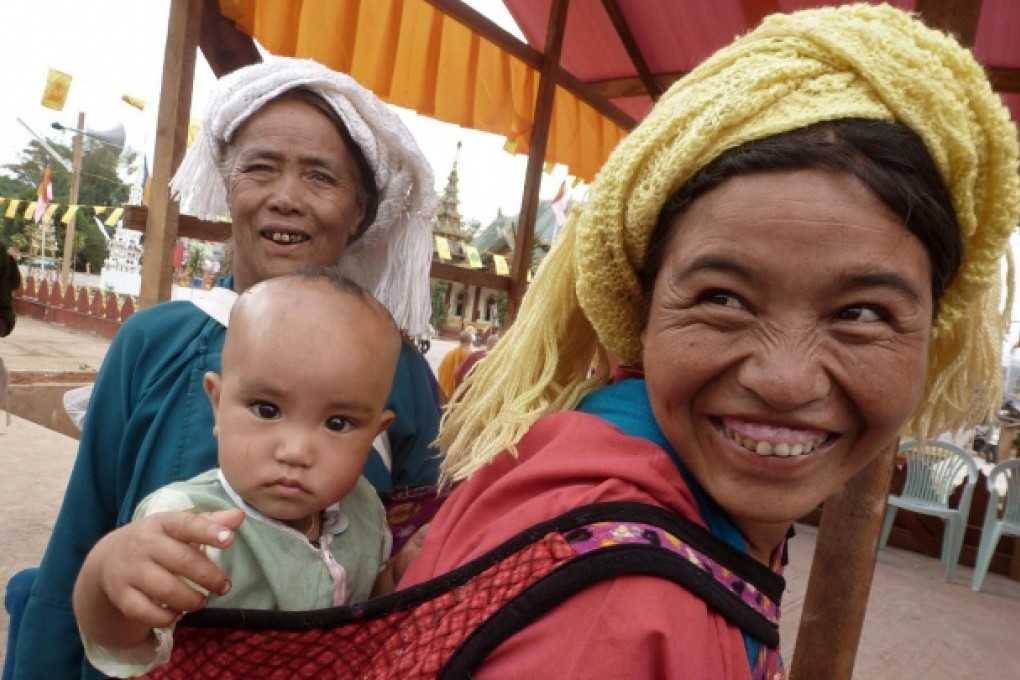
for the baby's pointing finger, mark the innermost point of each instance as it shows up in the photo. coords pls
(201, 529)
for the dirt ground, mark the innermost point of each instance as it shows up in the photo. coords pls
(36, 463)
(917, 625)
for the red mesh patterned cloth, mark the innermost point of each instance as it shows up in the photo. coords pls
(409, 643)
(449, 624)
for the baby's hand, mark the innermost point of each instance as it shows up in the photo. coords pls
(132, 578)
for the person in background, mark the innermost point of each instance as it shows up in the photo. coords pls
(796, 258)
(296, 412)
(313, 170)
(452, 361)
(474, 357)
(10, 281)
(178, 257)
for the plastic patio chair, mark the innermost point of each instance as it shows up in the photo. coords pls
(994, 527)
(933, 469)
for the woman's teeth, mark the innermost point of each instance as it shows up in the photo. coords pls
(782, 449)
(280, 237)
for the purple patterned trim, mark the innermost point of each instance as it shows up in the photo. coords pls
(589, 537)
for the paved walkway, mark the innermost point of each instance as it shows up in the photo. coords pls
(917, 625)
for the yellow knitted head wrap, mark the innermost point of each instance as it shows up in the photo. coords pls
(855, 61)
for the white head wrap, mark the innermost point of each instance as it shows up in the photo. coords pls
(392, 258)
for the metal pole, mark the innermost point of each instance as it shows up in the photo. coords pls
(65, 267)
(42, 251)
(60, 159)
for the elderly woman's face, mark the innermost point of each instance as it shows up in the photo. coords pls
(293, 192)
(787, 340)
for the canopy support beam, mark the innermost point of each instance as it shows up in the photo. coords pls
(524, 239)
(171, 140)
(224, 46)
(959, 17)
(652, 87)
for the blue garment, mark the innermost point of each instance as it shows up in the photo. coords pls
(18, 589)
(149, 423)
(626, 405)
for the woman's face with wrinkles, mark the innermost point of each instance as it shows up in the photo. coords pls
(293, 191)
(787, 341)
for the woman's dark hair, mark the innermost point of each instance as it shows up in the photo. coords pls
(363, 171)
(887, 158)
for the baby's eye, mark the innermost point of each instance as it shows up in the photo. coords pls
(265, 410)
(863, 313)
(338, 424)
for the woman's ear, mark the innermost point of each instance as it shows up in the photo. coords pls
(360, 209)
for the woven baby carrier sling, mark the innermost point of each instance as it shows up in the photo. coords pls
(444, 627)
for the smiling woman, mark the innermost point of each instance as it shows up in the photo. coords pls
(768, 396)
(313, 170)
(794, 258)
(297, 197)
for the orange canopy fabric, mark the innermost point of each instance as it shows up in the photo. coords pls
(414, 56)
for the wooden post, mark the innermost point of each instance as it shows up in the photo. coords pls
(171, 138)
(225, 48)
(841, 573)
(66, 267)
(844, 561)
(525, 237)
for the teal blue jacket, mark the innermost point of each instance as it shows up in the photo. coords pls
(149, 423)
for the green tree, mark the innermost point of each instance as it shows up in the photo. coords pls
(501, 302)
(100, 185)
(439, 309)
(193, 260)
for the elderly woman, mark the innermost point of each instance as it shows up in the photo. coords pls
(312, 169)
(796, 257)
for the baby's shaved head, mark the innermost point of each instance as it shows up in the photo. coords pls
(320, 301)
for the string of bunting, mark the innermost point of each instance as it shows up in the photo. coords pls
(472, 256)
(28, 212)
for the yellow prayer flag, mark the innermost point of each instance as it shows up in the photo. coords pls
(194, 127)
(501, 267)
(72, 210)
(548, 168)
(57, 85)
(443, 249)
(12, 209)
(29, 211)
(114, 217)
(99, 209)
(136, 102)
(52, 208)
(472, 256)
(511, 146)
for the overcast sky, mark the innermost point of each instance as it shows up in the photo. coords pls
(115, 47)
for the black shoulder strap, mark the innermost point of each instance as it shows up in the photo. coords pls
(632, 559)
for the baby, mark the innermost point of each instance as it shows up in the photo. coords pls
(307, 366)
